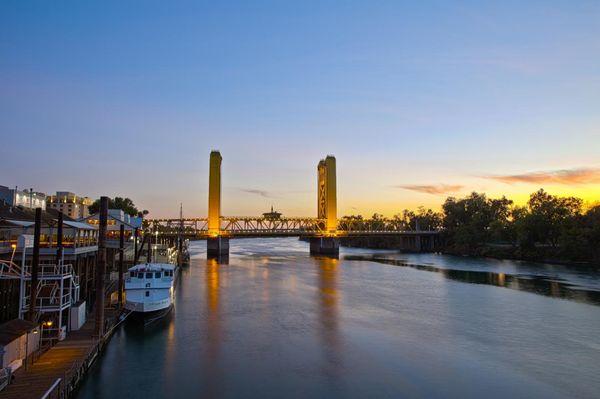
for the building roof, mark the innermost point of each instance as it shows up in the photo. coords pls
(80, 225)
(95, 216)
(24, 217)
(13, 329)
(20, 213)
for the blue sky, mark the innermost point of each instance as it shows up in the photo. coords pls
(417, 100)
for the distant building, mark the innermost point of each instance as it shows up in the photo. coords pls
(73, 206)
(272, 215)
(26, 199)
(116, 218)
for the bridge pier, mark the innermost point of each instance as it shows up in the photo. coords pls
(324, 246)
(217, 247)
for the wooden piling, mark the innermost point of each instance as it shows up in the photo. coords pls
(135, 242)
(121, 265)
(59, 239)
(101, 267)
(35, 264)
(149, 254)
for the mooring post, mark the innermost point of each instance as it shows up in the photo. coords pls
(149, 254)
(121, 265)
(135, 243)
(35, 263)
(59, 239)
(101, 267)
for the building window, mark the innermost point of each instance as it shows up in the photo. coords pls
(147, 293)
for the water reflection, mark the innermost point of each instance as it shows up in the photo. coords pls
(543, 285)
(328, 300)
(213, 327)
(276, 322)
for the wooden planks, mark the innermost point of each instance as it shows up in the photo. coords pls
(60, 361)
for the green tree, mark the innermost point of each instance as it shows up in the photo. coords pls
(473, 221)
(548, 219)
(125, 204)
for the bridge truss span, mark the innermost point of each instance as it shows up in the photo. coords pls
(244, 226)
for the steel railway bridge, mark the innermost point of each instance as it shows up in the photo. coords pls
(323, 231)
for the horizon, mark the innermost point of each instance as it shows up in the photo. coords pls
(417, 102)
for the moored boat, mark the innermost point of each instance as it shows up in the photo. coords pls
(150, 289)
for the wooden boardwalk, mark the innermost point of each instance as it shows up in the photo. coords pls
(67, 360)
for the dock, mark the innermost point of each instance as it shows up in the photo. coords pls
(58, 371)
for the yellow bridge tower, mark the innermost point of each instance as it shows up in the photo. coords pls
(216, 245)
(329, 243)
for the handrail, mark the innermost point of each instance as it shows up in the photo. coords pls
(51, 389)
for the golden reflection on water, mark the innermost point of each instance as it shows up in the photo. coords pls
(213, 326)
(212, 284)
(329, 297)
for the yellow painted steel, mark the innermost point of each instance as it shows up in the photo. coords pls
(214, 194)
(327, 194)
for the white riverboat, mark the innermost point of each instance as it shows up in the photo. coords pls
(150, 289)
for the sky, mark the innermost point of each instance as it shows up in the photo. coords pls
(417, 101)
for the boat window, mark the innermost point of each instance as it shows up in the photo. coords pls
(149, 275)
(140, 275)
(157, 275)
(132, 274)
(147, 293)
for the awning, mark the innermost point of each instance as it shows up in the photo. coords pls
(80, 225)
(20, 223)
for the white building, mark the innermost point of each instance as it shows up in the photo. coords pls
(26, 198)
(72, 205)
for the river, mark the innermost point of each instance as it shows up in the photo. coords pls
(275, 322)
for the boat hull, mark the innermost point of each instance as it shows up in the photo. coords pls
(149, 306)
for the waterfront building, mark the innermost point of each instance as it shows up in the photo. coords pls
(26, 198)
(72, 205)
(116, 219)
(76, 269)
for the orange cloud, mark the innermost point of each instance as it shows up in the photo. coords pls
(563, 176)
(432, 189)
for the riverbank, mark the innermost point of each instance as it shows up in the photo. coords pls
(502, 252)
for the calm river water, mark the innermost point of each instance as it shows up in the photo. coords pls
(275, 322)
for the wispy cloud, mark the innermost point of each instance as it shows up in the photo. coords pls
(562, 176)
(432, 189)
(262, 193)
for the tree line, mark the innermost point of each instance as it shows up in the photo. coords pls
(546, 228)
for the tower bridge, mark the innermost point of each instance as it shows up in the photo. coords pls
(324, 231)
